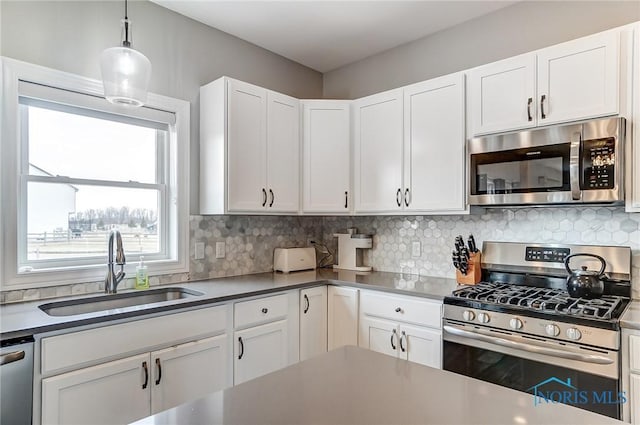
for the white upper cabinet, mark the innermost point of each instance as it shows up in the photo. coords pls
(434, 145)
(409, 149)
(502, 95)
(633, 154)
(326, 156)
(378, 128)
(567, 82)
(249, 149)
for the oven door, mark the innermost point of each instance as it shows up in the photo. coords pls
(551, 371)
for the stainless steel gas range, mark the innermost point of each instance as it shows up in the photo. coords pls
(519, 327)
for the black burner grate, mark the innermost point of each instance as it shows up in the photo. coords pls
(542, 299)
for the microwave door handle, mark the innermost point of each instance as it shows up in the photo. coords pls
(505, 341)
(574, 166)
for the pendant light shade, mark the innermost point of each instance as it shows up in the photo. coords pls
(125, 71)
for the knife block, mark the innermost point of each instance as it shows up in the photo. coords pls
(474, 274)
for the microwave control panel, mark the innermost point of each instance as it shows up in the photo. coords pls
(598, 164)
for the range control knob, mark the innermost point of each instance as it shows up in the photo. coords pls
(552, 330)
(574, 334)
(515, 323)
(468, 315)
(483, 318)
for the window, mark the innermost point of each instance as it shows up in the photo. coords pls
(83, 168)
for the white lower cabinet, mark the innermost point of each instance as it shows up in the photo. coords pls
(260, 350)
(109, 393)
(342, 322)
(125, 390)
(404, 327)
(188, 371)
(313, 322)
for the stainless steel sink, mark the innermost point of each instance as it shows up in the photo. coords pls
(116, 301)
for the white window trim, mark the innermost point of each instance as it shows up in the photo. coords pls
(11, 72)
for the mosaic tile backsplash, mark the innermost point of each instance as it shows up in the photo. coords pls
(250, 241)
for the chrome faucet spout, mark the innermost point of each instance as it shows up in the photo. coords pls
(113, 279)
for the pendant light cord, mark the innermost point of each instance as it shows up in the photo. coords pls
(126, 42)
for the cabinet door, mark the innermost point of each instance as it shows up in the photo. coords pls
(342, 317)
(283, 153)
(259, 350)
(378, 131)
(326, 157)
(246, 145)
(313, 322)
(188, 371)
(434, 145)
(633, 189)
(634, 397)
(117, 392)
(578, 79)
(502, 95)
(379, 335)
(421, 345)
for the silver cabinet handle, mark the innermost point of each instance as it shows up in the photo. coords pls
(506, 342)
(529, 102)
(542, 99)
(407, 197)
(393, 333)
(399, 197)
(346, 198)
(264, 197)
(402, 337)
(273, 198)
(11, 357)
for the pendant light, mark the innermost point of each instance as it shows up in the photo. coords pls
(125, 72)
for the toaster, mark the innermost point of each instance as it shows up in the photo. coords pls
(293, 259)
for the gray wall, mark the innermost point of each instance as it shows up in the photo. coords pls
(184, 54)
(516, 29)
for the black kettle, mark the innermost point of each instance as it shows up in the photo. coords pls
(585, 283)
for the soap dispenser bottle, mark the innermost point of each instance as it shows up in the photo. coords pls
(142, 275)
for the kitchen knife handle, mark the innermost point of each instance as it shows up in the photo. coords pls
(146, 375)
(393, 333)
(542, 99)
(264, 197)
(398, 197)
(529, 102)
(159, 371)
(273, 198)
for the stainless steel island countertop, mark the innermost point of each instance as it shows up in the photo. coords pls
(25, 318)
(352, 385)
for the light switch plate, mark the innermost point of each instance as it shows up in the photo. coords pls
(199, 251)
(220, 250)
(416, 249)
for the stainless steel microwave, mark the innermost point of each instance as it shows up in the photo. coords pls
(567, 164)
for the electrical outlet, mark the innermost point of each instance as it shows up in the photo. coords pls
(220, 250)
(199, 251)
(416, 249)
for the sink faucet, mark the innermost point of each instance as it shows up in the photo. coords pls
(113, 279)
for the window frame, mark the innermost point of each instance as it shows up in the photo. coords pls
(13, 184)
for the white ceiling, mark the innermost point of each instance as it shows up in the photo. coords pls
(325, 35)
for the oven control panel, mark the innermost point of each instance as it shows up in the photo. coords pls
(546, 254)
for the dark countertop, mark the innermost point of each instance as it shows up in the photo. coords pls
(352, 385)
(25, 318)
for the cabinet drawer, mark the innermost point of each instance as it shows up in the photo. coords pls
(403, 309)
(634, 353)
(248, 313)
(79, 349)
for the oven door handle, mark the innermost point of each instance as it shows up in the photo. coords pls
(506, 342)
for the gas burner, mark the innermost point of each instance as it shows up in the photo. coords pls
(546, 300)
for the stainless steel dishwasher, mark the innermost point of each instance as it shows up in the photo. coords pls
(16, 376)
